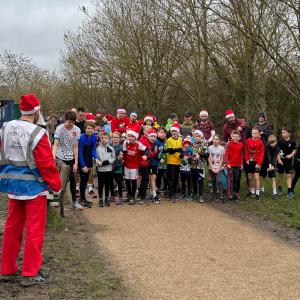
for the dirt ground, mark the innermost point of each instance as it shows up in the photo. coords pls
(74, 264)
(194, 251)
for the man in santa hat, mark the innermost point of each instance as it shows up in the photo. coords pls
(120, 122)
(233, 123)
(27, 172)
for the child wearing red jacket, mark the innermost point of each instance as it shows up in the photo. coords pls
(132, 150)
(152, 150)
(234, 162)
(254, 156)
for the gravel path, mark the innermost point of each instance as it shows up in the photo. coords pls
(193, 251)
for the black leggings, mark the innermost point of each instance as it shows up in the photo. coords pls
(118, 177)
(144, 182)
(295, 180)
(186, 181)
(235, 179)
(71, 178)
(131, 187)
(161, 174)
(172, 175)
(104, 179)
(84, 178)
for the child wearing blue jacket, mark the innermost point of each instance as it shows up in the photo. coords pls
(185, 170)
(86, 155)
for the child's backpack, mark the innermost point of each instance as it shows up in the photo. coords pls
(224, 179)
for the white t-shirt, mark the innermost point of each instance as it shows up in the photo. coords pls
(216, 154)
(66, 141)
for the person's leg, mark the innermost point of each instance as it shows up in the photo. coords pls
(176, 178)
(238, 180)
(213, 181)
(159, 178)
(144, 182)
(72, 179)
(12, 237)
(165, 179)
(251, 184)
(257, 184)
(107, 180)
(194, 181)
(289, 180)
(112, 184)
(128, 187)
(100, 187)
(171, 179)
(200, 185)
(219, 183)
(183, 183)
(133, 187)
(295, 180)
(189, 183)
(153, 184)
(36, 211)
(119, 179)
(274, 191)
(90, 183)
(84, 177)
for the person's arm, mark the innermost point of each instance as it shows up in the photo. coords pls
(54, 148)
(228, 156)
(210, 161)
(113, 156)
(46, 165)
(247, 154)
(94, 154)
(261, 154)
(75, 167)
(80, 152)
(224, 135)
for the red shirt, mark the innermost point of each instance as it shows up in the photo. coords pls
(254, 151)
(206, 128)
(234, 154)
(120, 125)
(132, 154)
(152, 150)
(46, 165)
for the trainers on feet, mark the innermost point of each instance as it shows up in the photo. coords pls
(156, 200)
(92, 195)
(107, 202)
(144, 202)
(275, 196)
(131, 201)
(11, 277)
(257, 197)
(77, 206)
(172, 199)
(279, 191)
(36, 280)
(119, 201)
(85, 204)
(291, 195)
(201, 199)
(101, 203)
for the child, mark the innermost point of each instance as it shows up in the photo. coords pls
(162, 168)
(117, 173)
(215, 160)
(149, 142)
(234, 163)
(174, 149)
(207, 127)
(106, 157)
(131, 152)
(200, 154)
(296, 168)
(185, 170)
(272, 153)
(65, 148)
(86, 155)
(287, 148)
(254, 156)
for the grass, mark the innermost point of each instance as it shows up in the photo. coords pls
(283, 210)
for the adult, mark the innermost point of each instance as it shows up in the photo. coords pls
(120, 122)
(187, 125)
(51, 126)
(207, 127)
(134, 122)
(233, 123)
(264, 127)
(27, 171)
(80, 119)
(98, 119)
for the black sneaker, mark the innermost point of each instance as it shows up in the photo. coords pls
(275, 196)
(172, 199)
(156, 200)
(107, 202)
(101, 204)
(257, 197)
(11, 277)
(250, 195)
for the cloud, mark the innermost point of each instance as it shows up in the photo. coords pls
(36, 28)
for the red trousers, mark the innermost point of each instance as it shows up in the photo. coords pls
(30, 214)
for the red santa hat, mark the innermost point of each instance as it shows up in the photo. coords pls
(148, 117)
(175, 127)
(90, 117)
(152, 132)
(29, 104)
(229, 113)
(203, 113)
(187, 140)
(109, 117)
(134, 131)
(98, 113)
(121, 110)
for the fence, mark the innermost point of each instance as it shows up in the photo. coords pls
(6, 111)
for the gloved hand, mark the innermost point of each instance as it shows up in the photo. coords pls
(105, 163)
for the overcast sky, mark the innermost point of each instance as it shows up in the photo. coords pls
(36, 27)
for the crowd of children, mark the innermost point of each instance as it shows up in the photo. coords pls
(125, 152)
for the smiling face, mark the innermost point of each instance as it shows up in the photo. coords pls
(161, 134)
(131, 138)
(120, 115)
(116, 139)
(198, 137)
(216, 141)
(152, 138)
(69, 124)
(89, 130)
(133, 118)
(255, 134)
(175, 134)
